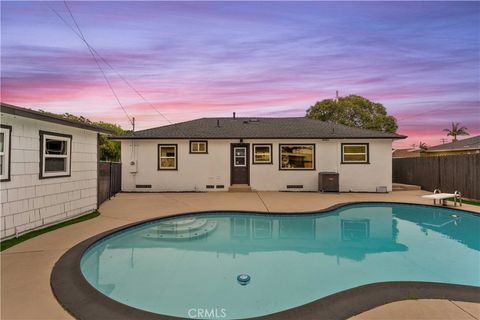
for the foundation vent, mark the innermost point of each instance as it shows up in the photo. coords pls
(220, 186)
(210, 186)
(382, 189)
(143, 186)
(294, 186)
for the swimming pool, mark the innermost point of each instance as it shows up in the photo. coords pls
(187, 266)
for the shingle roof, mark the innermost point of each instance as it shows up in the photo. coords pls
(465, 144)
(257, 128)
(406, 153)
(42, 116)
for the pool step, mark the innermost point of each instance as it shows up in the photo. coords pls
(404, 187)
(157, 234)
(181, 226)
(240, 188)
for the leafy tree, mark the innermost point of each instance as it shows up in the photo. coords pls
(108, 150)
(423, 146)
(354, 111)
(456, 130)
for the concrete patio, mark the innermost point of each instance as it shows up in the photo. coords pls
(26, 268)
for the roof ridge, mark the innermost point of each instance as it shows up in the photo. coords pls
(265, 128)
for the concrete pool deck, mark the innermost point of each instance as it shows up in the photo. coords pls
(26, 268)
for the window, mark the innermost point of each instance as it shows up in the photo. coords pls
(240, 157)
(5, 137)
(355, 153)
(55, 152)
(262, 154)
(297, 157)
(167, 157)
(354, 230)
(198, 147)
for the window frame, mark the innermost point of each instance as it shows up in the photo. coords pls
(159, 147)
(367, 153)
(7, 151)
(254, 145)
(68, 156)
(297, 169)
(198, 141)
(244, 157)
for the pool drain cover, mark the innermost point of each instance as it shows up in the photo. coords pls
(243, 279)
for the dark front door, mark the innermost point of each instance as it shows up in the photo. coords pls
(240, 164)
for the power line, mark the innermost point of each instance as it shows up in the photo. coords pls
(91, 48)
(96, 61)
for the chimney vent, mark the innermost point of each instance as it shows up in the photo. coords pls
(218, 123)
(234, 115)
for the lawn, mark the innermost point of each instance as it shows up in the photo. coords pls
(473, 203)
(14, 241)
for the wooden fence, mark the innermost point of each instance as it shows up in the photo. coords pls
(447, 173)
(109, 180)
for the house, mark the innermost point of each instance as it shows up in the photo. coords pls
(465, 146)
(265, 154)
(48, 169)
(406, 153)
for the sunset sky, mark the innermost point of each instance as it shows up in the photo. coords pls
(201, 59)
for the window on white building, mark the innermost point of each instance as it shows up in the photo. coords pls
(55, 154)
(355, 153)
(262, 153)
(5, 137)
(198, 147)
(297, 157)
(167, 157)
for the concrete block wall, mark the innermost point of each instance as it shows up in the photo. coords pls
(28, 202)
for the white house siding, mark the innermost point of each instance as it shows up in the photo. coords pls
(195, 171)
(28, 202)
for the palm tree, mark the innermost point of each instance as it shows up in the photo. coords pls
(456, 131)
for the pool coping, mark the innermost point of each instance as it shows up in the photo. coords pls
(83, 301)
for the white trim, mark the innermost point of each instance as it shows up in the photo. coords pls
(198, 143)
(45, 156)
(269, 153)
(365, 153)
(235, 157)
(5, 153)
(166, 157)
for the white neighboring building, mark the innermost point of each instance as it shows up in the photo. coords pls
(48, 168)
(265, 154)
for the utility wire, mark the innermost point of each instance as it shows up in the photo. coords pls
(96, 62)
(79, 34)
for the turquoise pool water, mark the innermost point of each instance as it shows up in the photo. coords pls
(188, 266)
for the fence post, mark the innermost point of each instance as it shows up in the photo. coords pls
(110, 181)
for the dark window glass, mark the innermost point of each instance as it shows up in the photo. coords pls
(55, 164)
(55, 147)
(2, 139)
(262, 154)
(296, 157)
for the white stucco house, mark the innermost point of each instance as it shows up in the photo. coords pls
(264, 154)
(48, 168)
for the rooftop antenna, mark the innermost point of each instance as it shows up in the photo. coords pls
(133, 124)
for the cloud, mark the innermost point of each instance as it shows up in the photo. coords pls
(212, 58)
